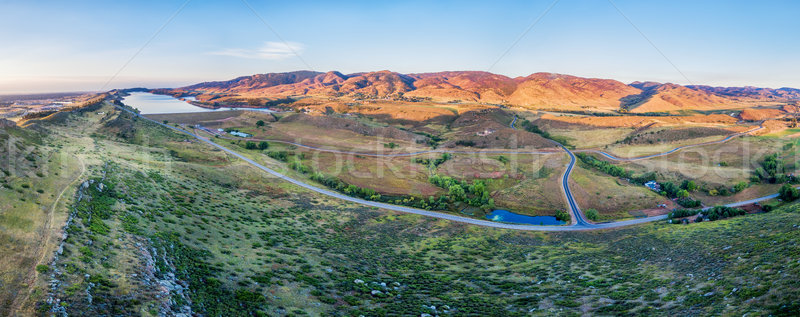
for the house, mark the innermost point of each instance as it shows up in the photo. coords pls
(653, 185)
(240, 134)
(485, 132)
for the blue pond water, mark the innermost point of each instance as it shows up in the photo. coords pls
(148, 103)
(500, 215)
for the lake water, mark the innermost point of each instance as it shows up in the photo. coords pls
(148, 103)
(510, 217)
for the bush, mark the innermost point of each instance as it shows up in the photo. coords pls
(563, 216)
(260, 123)
(263, 145)
(250, 145)
(41, 268)
(604, 166)
(592, 214)
(788, 193)
(688, 202)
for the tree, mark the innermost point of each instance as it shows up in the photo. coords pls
(682, 193)
(788, 193)
(263, 145)
(250, 145)
(562, 216)
(260, 123)
(689, 185)
(740, 186)
(592, 214)
(457, 192)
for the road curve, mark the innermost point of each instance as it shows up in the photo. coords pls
(572, 206)
(615, 158)
(581, 225)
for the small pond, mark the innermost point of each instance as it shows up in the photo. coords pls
(500, 215)
(148, 103)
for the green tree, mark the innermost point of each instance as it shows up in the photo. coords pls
(250, 145)
(457, 192)
(260, 123)
(263, 145)
(689, 185)
(788, 193)
(592, 214)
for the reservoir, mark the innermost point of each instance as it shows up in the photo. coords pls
(510, 217)
(148, 103)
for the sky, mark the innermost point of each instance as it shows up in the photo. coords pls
(48, 46)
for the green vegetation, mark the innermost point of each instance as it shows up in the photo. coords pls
(530, 127)
(772, 170)
(721, 212)
(592, 214)
(223, 241)
(563, 216)
(475, 194)
(788, 193)
(433, 163)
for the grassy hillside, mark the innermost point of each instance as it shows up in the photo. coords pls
(158, 228)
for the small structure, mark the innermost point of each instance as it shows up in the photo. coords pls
(485, 132)
(240, 134)
(653, 185)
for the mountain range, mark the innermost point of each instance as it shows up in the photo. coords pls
(537, 91)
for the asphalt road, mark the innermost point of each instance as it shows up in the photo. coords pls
(673, 150)
(580, 225)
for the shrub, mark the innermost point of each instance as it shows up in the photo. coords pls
(260, 123)
(592, 214)
(563, 216)
(41, 268)
(788, 193)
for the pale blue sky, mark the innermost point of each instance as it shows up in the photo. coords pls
(79, 45)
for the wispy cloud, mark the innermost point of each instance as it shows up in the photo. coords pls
(270, 50)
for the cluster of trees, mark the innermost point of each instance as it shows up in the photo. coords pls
(562, 215)
(298, 166)
(721, 212)
(349, 189)
(475, 194)
(433, 162)
(604, 166)
(432, 140)
(772, 170)
(467, 143)
(688, 202)
(250, 145)
(282, 156)
(680, 213)
(592, 214)
(530, 127)
(432, 203)
(788, 193)
(711, 214)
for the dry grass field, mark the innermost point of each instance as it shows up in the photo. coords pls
(612, 197)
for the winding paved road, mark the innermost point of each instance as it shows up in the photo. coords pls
(610, 156)
(580, 225)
